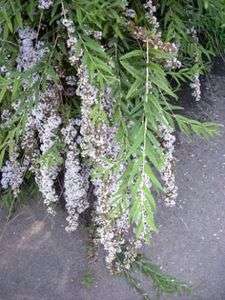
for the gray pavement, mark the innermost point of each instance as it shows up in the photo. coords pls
(40, 261)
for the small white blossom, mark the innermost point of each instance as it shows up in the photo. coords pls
(100, 148)
(75, 52)
(97, 35)
(130, 13)
(196, 86)
(167, 173)
(45, 4)
(47, 122)
(75, 179)
(46, 184)
(13, 173)
(30, 53)
(151, 9)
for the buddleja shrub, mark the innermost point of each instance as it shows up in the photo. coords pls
(88, 100)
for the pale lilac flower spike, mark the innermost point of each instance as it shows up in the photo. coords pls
(45, 4)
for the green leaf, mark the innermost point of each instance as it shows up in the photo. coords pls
(15, 89)
(93, 45)
(134, 53)
(149, 197)
(3, 92)
(7, 19)
(154, 180)
(135, 211)
(134, 89)
(103, 66)
(132, 70)
(162, 83)
(2, 155)
(137, 140)
(154, 155)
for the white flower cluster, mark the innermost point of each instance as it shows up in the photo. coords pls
(151, 9)
(43, 121)
(173, 62)
(193, 32)
(97, 141)
(30, 52)
(5, 117)
(28, 55)
(29, 142)
(111, 234)
(71, 80)
(99, 146)
(75, 52)
(47, 122)
(88, 94)
(196, 86)
(12, 173)
(167, 173)
(97, 34)
(107, 101)
(46, 183)
(70, 86)
(3, 70)
(76, 178)
(47, 133)
(195, 83)
(130, 253)
(130, 13)
(45, 4)
(156, 41)
(105, 231)
(94, 33)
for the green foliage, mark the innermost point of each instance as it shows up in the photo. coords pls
(162, 282)
(144, 89)
(122, 65)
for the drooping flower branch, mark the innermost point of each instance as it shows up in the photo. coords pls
(100, 148)
(167, 173)
(195, 83)
(76, 177)
(86, 107)
(47, 122)
(13, 173)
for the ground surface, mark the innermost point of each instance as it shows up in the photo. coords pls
(40, 261)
